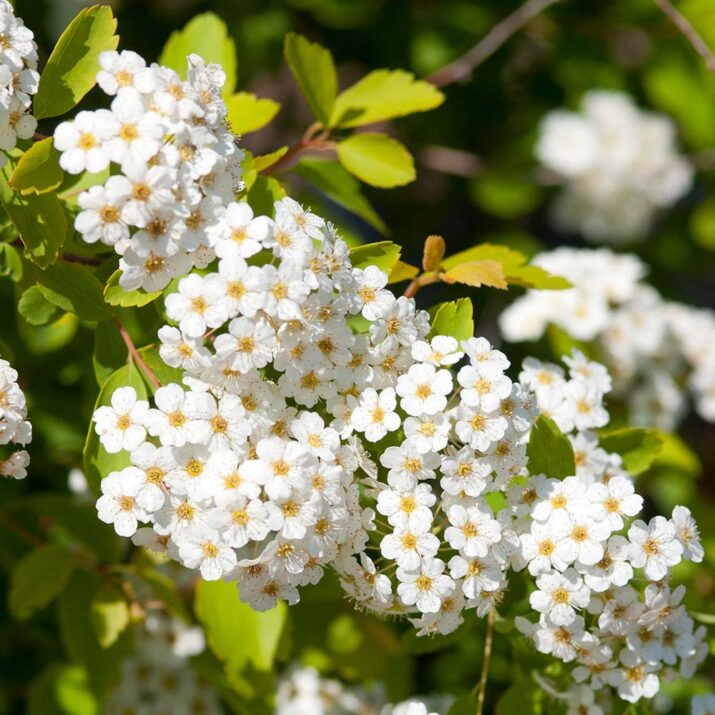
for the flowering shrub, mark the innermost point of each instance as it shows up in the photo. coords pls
(287, 464)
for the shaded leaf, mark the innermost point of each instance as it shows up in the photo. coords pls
(38, 170)
(638, 447)
(549, 450)
(11, 263)
(383, 94)
(71, 70)
(377, 159)
(108, 614)
(35, 308)
(74, 289)
(114, 294)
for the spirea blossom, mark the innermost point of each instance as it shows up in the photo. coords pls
(657, 352)
(15, 430)
(618, 166)
(170, 200)
(19, 80)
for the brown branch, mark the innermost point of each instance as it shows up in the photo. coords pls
(135, 353)
(84, 260)
(482, 685)
(689, 32)
(461, 69)
(307, 141)
(420, 282)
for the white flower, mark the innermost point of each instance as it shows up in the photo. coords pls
(123, 69)
(472, 530)
(425, 587)
(407, 465)
(374, 299)
(248, 344)
(441, 350)
(118, 503)
(408, 510)
(538, 547)
(408, 548)
(83, 141)
(202, 548)
(423, 390)
(583, 541)
(558, 595)
(465, 472)
(375, 414)
(122, 424)
(686, 531)
(238, 233)
(614, 500)
(635, 678)
(654, 547)
(279, 466)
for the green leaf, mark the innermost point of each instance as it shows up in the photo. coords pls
(377, 160)
(314, 70)
(74, 289)
(549, 450)
(238, 635)
(383, 254)
(164, 373)
(383, 94)
(261, 163)
(35, 308)
(263, 194)
(114, 294)
(454, 318)
(204, 35)
(505, 194)
(707, 618)
(61, 690)
(248, 113)
(10, 263)
(71, 70)
(477, 273)
(639, 447)
(403, 272)
(108, 614)
(98, 463)
(340, 186)
(40, 221)
(38, 578)
(166, 590)
(464, 705)
(522, 697)
(38, 170)
(109, 353)
(676, 453)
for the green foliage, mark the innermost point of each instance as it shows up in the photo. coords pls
(74, 289)
(108, 614)
(10, 263)
(523, 696)
(114, 294)
(205, 35)
(39, 220)
(638, 447)
(314, 71)
(454, 318)
(549, 450)
(62, 690)
(248, 113)
(38, 170)
(381, 95)
(38, 579)
(377, 159)
(383, 254)
(35, 308)
(464, 705)
(339, 186)
(239, 636)
(164, 373)
(72, 67)
(505, 194)
(97, 461)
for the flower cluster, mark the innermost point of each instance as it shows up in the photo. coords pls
(14, 427)
(657, 351)
(578, 538)
(618, 166)
(304, 692)
(158, 678)
(166, 207)
(19, 80)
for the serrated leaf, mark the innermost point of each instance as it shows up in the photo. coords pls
(341, 187)
(71, 70)
(204, 35)
(403, 272)
(40, 221)
(38, 578)
(108, 614)
(38, 170)
(35, 308)
(114, 294)
(377, 159)
(537, 278)
(74, 289)
(314, 70)
(249, 113)
(549, 450)
(638, 447)
(477, 273)
(383, 254)
(455, 319)
(98, 463)
(383, 94)
(238, 635)
(263, 162)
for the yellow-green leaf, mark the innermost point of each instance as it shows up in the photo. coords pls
(383, 94)
(72, 68)
(38, 170)
(114, 294)
(377, 159)
(383, 254)
(314, 70)
(455, 318)
(549, 450)
(261, 163)
(477, 274)
(204, 35)
(248, 113)
(638, 447)
(74, 289)
(108, 614)
(403, 272)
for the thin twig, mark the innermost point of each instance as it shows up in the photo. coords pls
(690, 33)
(420, 282)
(84, 260)
(307, 141)
(20, 531)
(135, 353)
(482, 686)
(461, 69)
